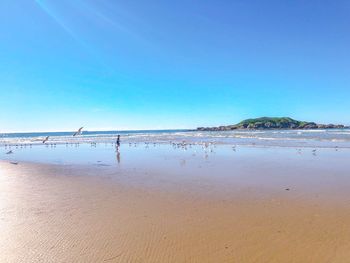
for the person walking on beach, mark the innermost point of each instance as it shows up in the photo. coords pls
(117, 144)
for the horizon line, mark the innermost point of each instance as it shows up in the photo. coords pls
(107, 130)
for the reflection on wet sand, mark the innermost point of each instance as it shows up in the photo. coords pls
(218, 205)
(118, 157)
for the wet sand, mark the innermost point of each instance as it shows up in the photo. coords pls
(256, 209)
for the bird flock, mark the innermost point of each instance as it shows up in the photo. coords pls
(44, 141)
(207, 147)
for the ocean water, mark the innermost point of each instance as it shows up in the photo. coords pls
(335, 138)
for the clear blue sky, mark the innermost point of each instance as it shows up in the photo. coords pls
(156, 64)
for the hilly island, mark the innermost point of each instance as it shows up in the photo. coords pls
(272, 123)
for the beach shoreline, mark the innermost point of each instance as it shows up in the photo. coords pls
(320, 138)
(253, 205)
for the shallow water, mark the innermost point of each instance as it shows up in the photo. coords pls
(106, 153)
(283, 138)
(268, 167)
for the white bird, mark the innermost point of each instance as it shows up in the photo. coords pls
(78, 132)
(46, 139)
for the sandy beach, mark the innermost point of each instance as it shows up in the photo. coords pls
(250, 208)
(174, 131)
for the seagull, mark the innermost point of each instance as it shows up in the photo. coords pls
(46, 139)
(9, 152)
(78, 132)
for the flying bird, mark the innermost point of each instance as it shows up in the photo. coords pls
(9, 152)
(46, 139)
(78, 132)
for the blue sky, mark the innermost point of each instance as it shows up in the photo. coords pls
(171, 64)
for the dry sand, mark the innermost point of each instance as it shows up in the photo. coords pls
(53, 213)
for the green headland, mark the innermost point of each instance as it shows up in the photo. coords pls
(272, 123)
